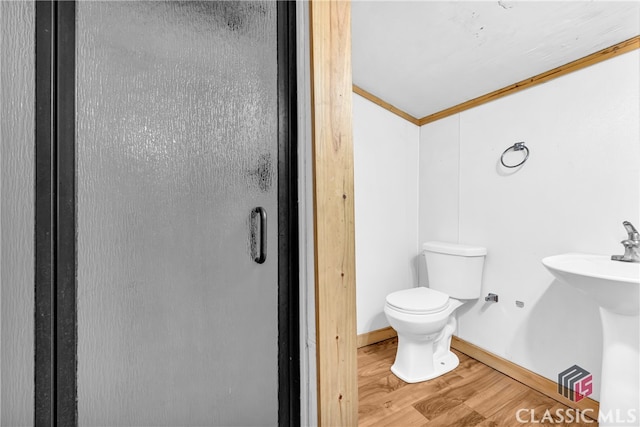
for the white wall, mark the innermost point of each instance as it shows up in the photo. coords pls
(581, 181)
(386, 208)
(439, 181)
(16, 212)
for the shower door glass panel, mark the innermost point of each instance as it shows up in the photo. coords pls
(176, 145)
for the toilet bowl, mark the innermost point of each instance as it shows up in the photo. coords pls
(424, 317)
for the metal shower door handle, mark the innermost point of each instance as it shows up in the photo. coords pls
(261, 252)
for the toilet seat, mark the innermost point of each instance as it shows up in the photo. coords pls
(418, 301)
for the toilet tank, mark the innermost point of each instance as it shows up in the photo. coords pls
(454, 269)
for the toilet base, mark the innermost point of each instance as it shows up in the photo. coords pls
(441, 365)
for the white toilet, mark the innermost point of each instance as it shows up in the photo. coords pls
(424, 317)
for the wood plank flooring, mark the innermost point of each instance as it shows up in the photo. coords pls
(473, 394)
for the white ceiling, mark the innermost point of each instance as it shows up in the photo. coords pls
(426, 56)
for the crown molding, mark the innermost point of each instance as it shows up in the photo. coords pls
(594, 58)
(398, 112)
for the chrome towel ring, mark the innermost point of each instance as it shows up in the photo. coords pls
(518, 146)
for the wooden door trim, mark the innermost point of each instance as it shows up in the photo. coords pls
(332, 141)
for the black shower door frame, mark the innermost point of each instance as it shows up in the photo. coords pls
(55, 218)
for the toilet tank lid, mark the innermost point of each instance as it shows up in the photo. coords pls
(454, 249)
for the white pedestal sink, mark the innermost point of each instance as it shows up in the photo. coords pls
(615, 286)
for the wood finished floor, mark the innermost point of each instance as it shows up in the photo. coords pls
(473, 394)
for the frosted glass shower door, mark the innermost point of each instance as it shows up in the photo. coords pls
(177, 128)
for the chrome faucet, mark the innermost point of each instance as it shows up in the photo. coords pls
(631, 245)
